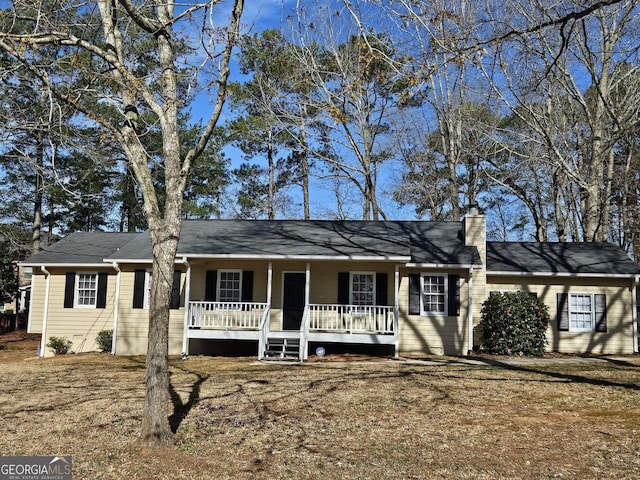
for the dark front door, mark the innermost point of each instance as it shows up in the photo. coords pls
(293, 301)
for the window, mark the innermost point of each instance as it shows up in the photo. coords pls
(142, 289)
(433, 294)
(147, 289)
(363, 288)
(582, 312)
(230, 285)
(86, 289)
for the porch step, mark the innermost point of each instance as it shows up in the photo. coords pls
(282, 349)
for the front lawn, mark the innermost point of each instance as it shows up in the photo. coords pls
(240, 419)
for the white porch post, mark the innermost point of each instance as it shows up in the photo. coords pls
(305, 318)
(187, 295)
(470, 312)
(116, 309)
(396, 320)
(634, 313)
(262, 339)
(269, 283)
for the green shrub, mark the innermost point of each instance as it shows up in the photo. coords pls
(514, 323)
(104, 340)
(59, 345)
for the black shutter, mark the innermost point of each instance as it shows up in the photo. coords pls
(175, 290)
(563, 312)
(247, 286)
(381, 289)
(601, 313)
(101, 297)
(454, 296)
(211, 286)
(414, 294)
(138, 289)
(343, 288)
(69, 289)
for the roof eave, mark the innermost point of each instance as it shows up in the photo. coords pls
(65, 264)
(466, 266)
(561, 274)
(235, 256)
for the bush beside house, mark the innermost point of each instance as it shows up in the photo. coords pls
(514, 323)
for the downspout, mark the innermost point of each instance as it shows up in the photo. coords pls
(187, 296)
(396, 320)
(45, 310)
(470, 313)
(634, 311)
(116, 308)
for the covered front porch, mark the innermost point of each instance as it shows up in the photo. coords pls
(288, 320)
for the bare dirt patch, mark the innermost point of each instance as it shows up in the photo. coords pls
(241, 419)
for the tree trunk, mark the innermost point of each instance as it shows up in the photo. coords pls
(272, 182)
(37, 203)
(156, 430)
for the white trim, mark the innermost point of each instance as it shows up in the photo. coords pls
(592, 313)
(560, 274)
(116, 309)
(396, 320)
(429, 313)
(43, 340)
(76, 291)
(66, 265)
(218, 283)
(361, 272)
(373, 258)
(269, 283)
(146, 288)
(448, 266)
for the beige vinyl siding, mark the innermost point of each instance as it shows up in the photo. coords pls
(433, 334)
(199, 276)
(133, 323)
(618, 339)
(36, 308)
(80, 325)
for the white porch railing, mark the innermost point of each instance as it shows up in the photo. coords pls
(351, 318)
(227, 315)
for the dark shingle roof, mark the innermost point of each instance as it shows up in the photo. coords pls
(424, 242)
(559, 258)
(82, 248)
(433, 243)
(427, 243)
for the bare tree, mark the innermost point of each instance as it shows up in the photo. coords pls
(566, 84)
(116, 60)
(356, 89)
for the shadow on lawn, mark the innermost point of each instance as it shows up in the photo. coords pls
(181, 410)
(571, 377)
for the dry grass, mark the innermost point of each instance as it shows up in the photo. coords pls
(236, 418)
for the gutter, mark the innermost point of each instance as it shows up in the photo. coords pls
(116, 305)
(45, 311)
(557, 274)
